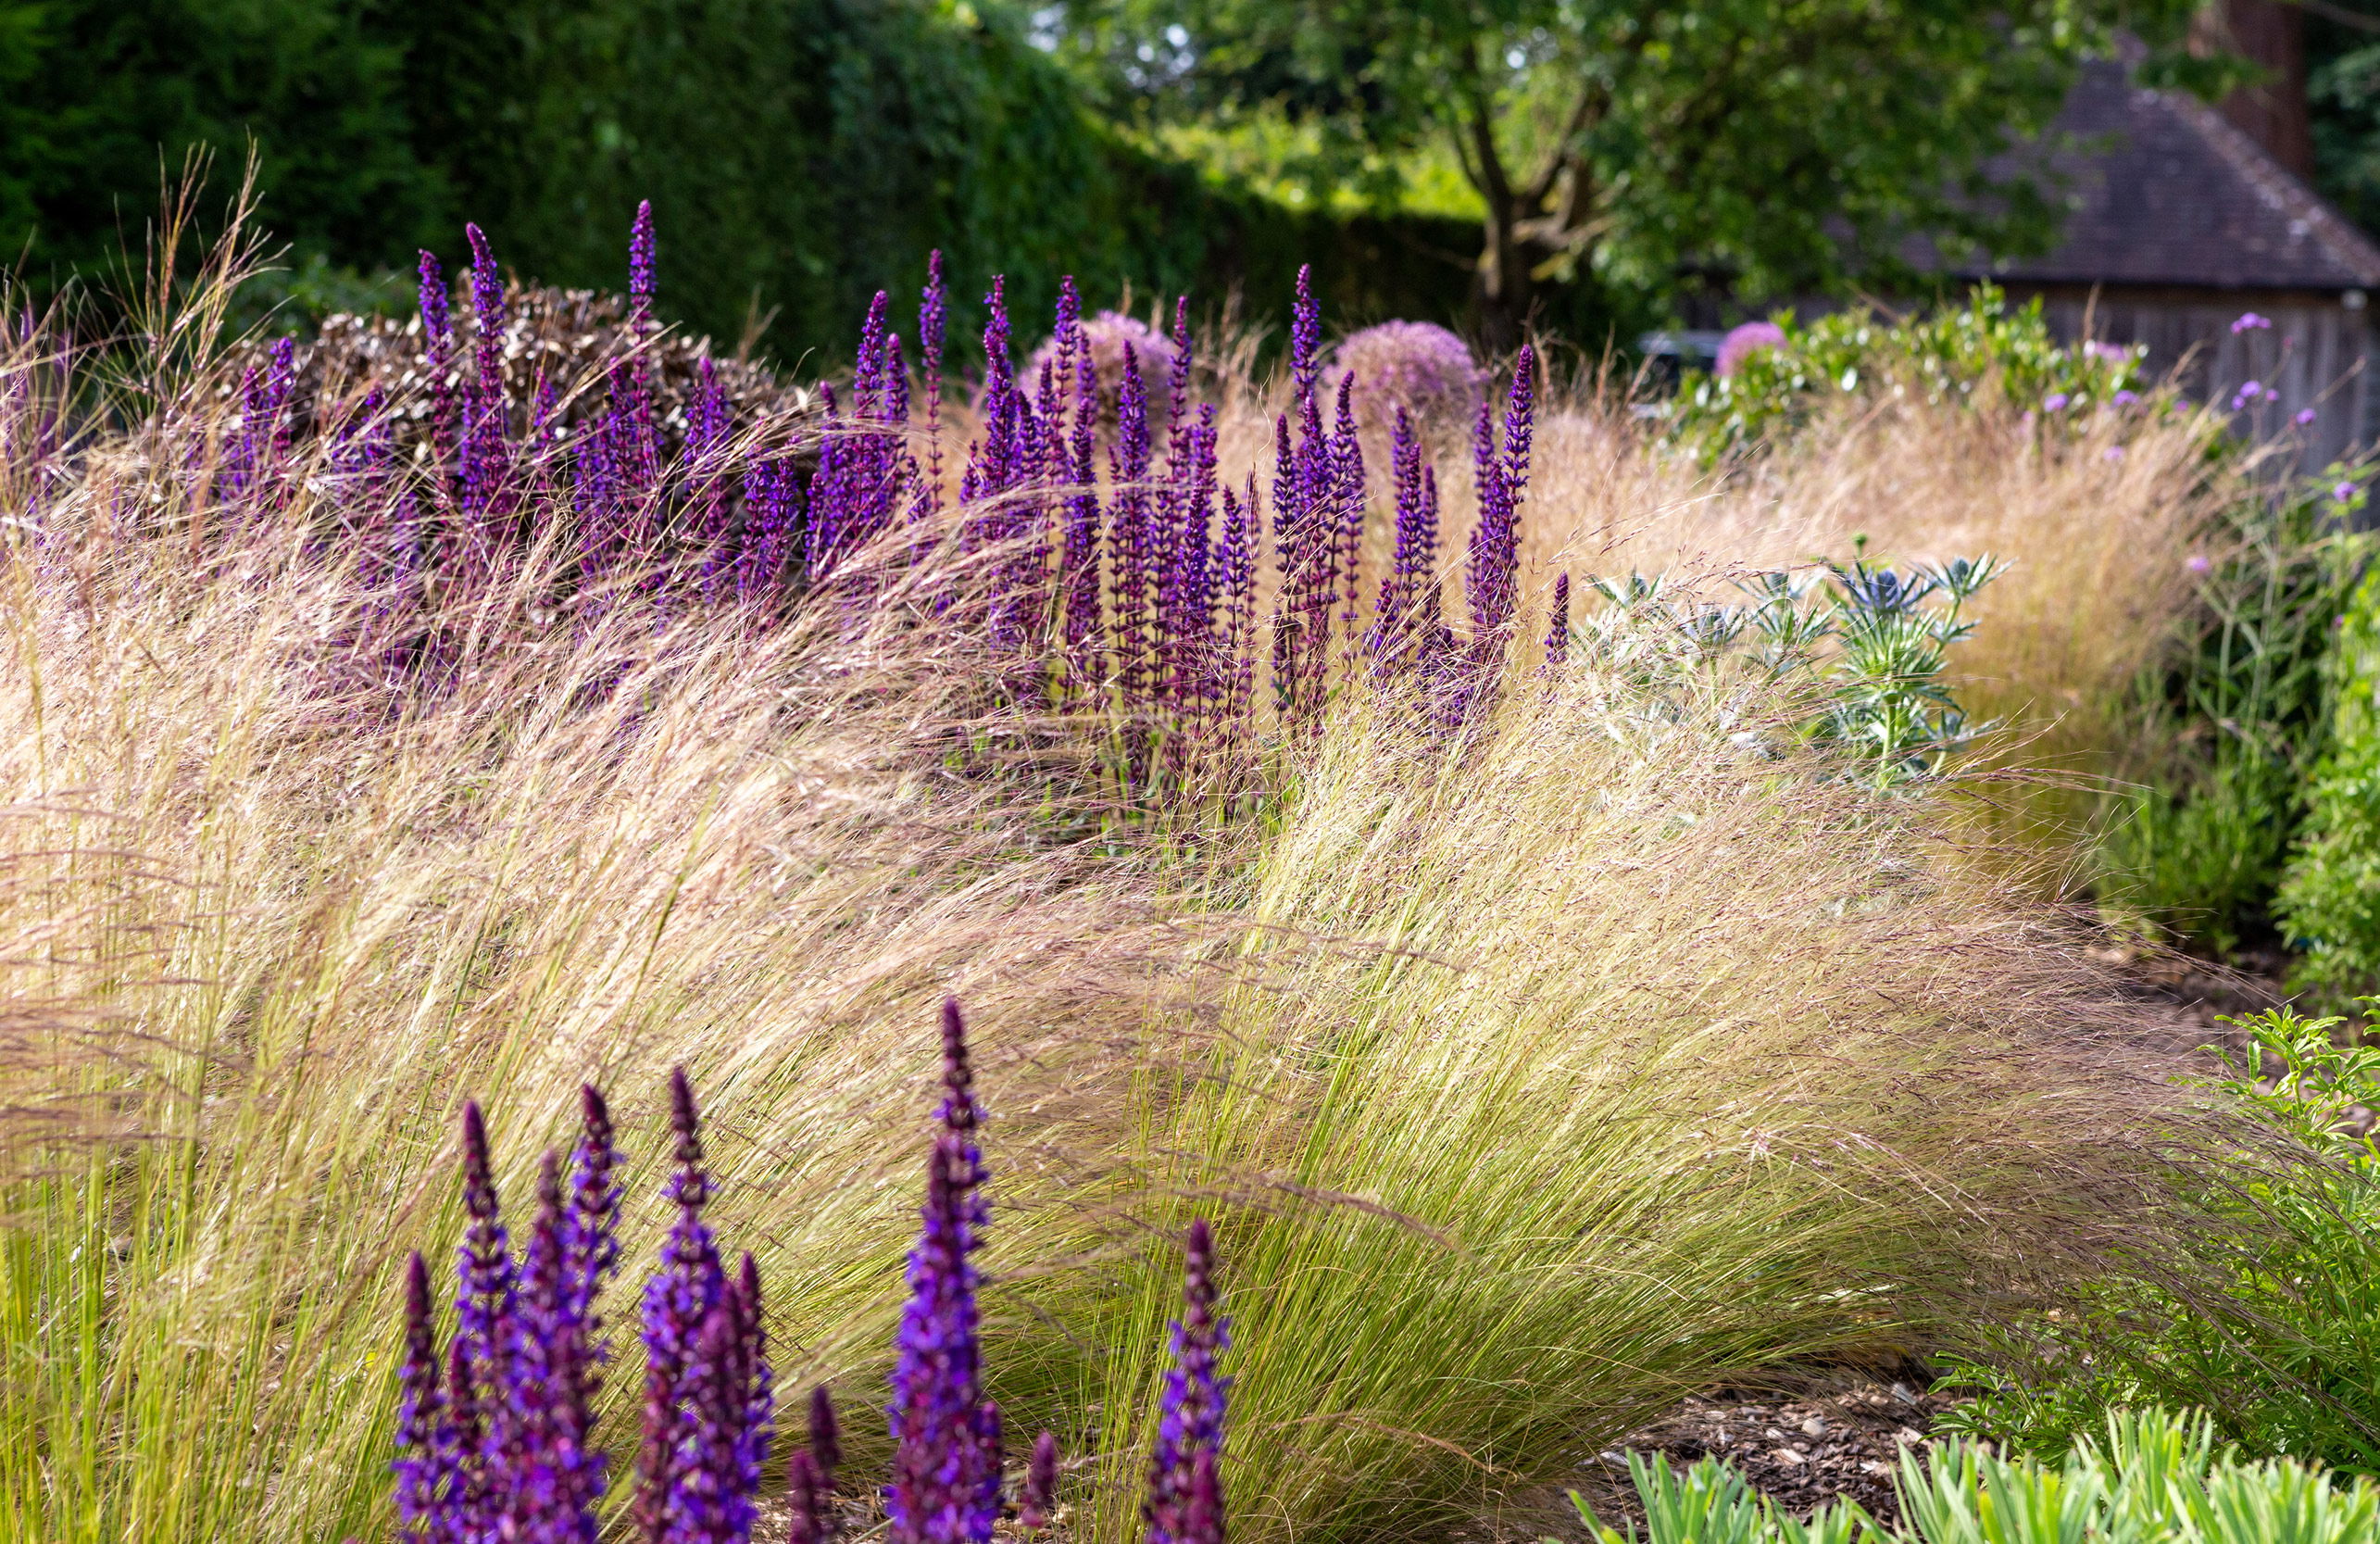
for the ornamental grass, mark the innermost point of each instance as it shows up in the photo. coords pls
(1538, 1048)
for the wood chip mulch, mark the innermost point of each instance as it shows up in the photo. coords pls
(1801, 1449)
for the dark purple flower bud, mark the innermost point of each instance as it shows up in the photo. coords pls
(1558, 628)
(436, 330)
(826, 1437)
(938, 1481)
(1190, 1425)
(1177, 406)
(420, 1412)
(1040, 1498)
(1519, 418)
(485, 1284)
(868, 372)
(808, 1500)
(1413, 569)
(1350, 495)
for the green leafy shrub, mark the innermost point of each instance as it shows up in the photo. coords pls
(2285, 1355)
(2239, 722)
(1983, 352)
(2330, 896)
(2152, 1477)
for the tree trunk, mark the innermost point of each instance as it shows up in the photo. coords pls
(1505, 284)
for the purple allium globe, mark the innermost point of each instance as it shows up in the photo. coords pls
(1417, 366)
(1109, 333)
(1744, 341)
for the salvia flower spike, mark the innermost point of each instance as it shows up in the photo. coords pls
(807, 1503)
(594, 1226)
(1190, 1423)
(826, 1437)
(679, 1303)
(1039, 1497)
(640, 265)
(420, 1412)
(937, 1423)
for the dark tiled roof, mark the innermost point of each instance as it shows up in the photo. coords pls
(2165, 191)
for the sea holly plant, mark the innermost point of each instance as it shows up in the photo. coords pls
(1871, 642)
(496, 1434)
(1891, 711)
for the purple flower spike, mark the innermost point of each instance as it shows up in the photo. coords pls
(708, 1471)
(549, 1481)
(484, 1301)
(680, 1301)
(826, 1437)
(419, 1411)
(939, 1463)
(1040, 1498)
(757, 1387)
(1190, 1428)
(437, 353)
(1495, 556)
(1557, 629)
(990, 1460)
(593, 1236)
(485, 1284)
(640, 265)
(1203, 1519)
(485, 449)
(1304, 334)
(1132, 534)
(933, 320)
(462, 1510)
(807, 1499)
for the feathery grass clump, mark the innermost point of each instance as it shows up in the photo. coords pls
(1534, 1069)
(1617, 1052)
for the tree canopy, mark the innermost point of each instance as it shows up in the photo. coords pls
(1785, 144)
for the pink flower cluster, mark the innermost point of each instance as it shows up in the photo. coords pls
(1416, 366)
(1744, 342)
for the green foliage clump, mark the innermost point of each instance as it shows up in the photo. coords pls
(2285, 1355)
(2153, 1477)
(2243, 719)
(2329, 899)
(1983, 352)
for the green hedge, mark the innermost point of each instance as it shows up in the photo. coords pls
(800, 155)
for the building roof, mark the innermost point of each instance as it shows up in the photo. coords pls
(2164, 192)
